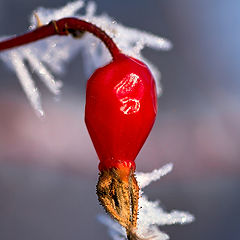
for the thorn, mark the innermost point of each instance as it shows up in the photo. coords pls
(39, 23)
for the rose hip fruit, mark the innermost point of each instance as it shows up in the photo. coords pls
(120, 110)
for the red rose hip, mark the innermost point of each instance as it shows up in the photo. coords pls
(120, 111)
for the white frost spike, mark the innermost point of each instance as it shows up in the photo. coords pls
(54, 52)
(151, 214)
(26, 81)
(144, 179)
(43, 73)
(47, 15)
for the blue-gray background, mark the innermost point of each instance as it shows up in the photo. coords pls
(48, 169)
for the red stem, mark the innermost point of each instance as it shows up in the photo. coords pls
(63, 26)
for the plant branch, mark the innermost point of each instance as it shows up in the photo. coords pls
(64, 26)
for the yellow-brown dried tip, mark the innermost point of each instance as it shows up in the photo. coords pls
(39, 23)
(118, 193)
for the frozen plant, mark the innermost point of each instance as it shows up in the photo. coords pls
(117, 188)
(151, 214)
(54, 52)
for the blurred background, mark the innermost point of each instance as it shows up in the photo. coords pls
(48, 168)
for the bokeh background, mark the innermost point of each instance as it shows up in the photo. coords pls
(48, 168)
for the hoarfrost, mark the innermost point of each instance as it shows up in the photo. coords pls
(151, 215)
(51, 54)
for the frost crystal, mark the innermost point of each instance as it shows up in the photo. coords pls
(52, 53)
(151, 214)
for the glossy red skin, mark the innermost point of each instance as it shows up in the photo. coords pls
(121, 107)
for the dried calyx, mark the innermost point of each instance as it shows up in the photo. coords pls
(118, 193)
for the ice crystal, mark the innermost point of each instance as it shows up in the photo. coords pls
(47, 57)
(151, 215)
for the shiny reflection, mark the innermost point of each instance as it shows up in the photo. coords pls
(130, 106)
(129, 92)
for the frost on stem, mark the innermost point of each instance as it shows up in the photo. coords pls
(48, 57)
(151, 214)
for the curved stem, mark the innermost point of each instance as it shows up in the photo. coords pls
(63, 26)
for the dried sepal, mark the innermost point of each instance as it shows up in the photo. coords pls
(118, 193)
